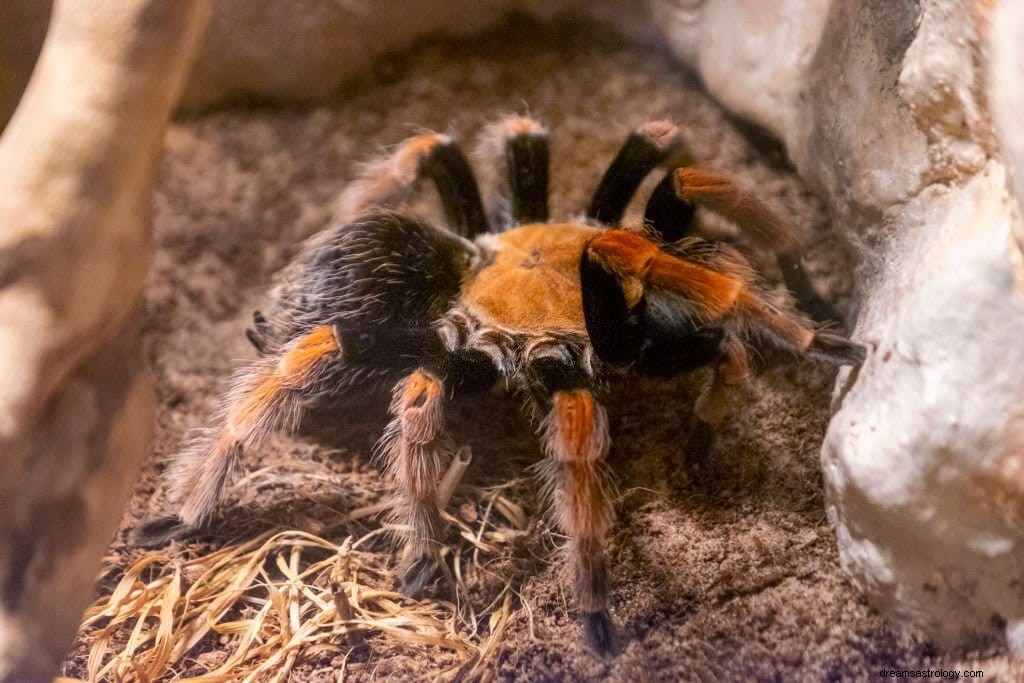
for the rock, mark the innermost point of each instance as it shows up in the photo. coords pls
(304, 50)
(752, 55)
(75, 404)
(1005, 96)
(922, 460)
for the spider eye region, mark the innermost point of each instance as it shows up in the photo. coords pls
(532, 259)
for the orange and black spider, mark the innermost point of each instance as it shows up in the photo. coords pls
(552, 309)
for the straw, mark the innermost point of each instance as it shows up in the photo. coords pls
(272, 602)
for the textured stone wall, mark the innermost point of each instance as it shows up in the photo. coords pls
(882, 107)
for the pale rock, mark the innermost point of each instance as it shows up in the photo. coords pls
(924, 458)
(1005, 81)
(77, 161)
(753, 55)
(304, 50)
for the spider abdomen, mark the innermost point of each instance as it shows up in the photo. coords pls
(384, 270)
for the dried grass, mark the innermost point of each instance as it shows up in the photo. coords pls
(288, 597)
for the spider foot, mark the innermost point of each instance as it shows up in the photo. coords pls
(600, 633)
(159, 531)
(833, 348)
(420, 573)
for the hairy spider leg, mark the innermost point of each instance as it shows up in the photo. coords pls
(672, 205)
(387, 182)
(517, 148)
(731, 370)
(644, 150)
(266, 397)
(616, 269)
(668, 215)
(414, 450)
(624, 275)
(575, 441)
(512, 156)
(724, 197)
(527, 158)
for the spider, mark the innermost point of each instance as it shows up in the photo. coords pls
(552, 309)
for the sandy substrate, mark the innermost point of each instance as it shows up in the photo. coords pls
(723, 565)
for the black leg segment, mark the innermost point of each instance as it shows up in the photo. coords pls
(448, 167)
(671, 357)
(835, 349)
(600, 633)
(548, 375)
(668, 214)
(644, 150)
(615, 338)
(467, 371)
(807, 298)
(527, 156)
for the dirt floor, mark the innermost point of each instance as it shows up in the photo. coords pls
(723, 564)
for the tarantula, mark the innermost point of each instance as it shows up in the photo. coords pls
(550, 308)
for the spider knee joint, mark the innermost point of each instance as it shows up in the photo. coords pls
(419, 406)
(576, 428)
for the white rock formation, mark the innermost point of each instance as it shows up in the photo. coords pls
(752, 55)
(923, 459)
(881, 106)
(1005, 78)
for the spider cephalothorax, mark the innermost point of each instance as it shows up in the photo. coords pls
(502, 293)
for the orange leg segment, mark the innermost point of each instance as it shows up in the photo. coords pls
(266, 397)
(575, 439)
(639, 263)
(415, 449)
(721, 195)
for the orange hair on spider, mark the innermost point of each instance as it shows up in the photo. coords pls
(630, 255)
(722, 196)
